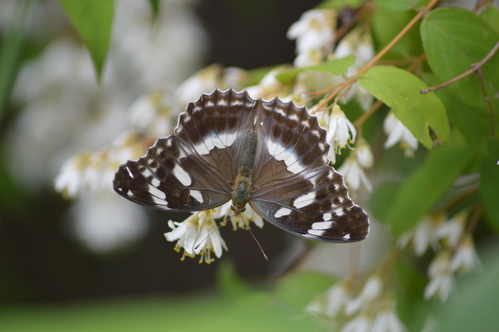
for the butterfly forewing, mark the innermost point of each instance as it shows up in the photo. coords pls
(290, 141)
(184, 171)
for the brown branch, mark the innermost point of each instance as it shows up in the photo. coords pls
(476, 67)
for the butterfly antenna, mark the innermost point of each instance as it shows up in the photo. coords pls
(254, 237)
(209, 234)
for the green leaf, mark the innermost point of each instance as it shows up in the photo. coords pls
(399, 89)
(399, 5)
(229, 283)
(336, 67)
(489, 183)
(299, 288)
(340, 4)
(471, 122)
(491, 16)
(454, 39)
(381, 199)
(93, 20)
(428, 184)
(411, 284)
(388, 23)
(10, 50)
(154, 6)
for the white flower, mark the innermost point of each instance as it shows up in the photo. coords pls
(269, 87)
(315, 30)
(242, 220)
(452, 230)
(353, 173)
(103, 221)
(397, 132)
(441, 279)
(204, 81)
(362, 323)
(155, 113)
(359, 44)
(330, 302)
(465, 258)
(95, 170)
(197, 235)
(424, 234)
(364, 153)
(341, 132)
(369, 294)
(387, 321)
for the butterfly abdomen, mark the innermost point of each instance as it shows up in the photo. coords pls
(243, 184)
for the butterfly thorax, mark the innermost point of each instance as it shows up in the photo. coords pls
(242, 187)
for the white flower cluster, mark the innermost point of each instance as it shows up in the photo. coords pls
(199, 234)
(373, 309)
(64, 109)
(455, 251)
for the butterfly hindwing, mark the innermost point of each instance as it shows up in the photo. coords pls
(314, 205)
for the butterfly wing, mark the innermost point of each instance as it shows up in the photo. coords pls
(295, 188)
(191, 170)
(314, 205)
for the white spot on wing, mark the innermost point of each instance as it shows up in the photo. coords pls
(182, 175)
(155, 182)
(129, 172)
(316, 232)
(281, 153)
(282, 212)
(228, 138)
(322, 225)
(346, 236)
(196, 195)
(304, 200)
(156, 192)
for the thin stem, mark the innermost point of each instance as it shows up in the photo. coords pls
(358, 123)
(397, 38)
(487, 101)
(467, 73)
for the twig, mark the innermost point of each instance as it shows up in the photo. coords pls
(474, 68)
(487, 100)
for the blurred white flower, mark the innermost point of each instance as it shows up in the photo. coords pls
(364, 153)
(361, 323)
(330, 302)
(103, 221)
(94, 171)
(441, 279)
(465, 258)
(424, 234)
(452, 229)
(314, 34)
(242, 220)
(64, 110)
(340, 132)
(397, 132)
(369, 294)
(155, 113)
(359, 44)
(387, 321)
(197, 235)
(354, 174)
(270, 87)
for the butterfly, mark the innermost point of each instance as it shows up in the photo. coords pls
(271, 155)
